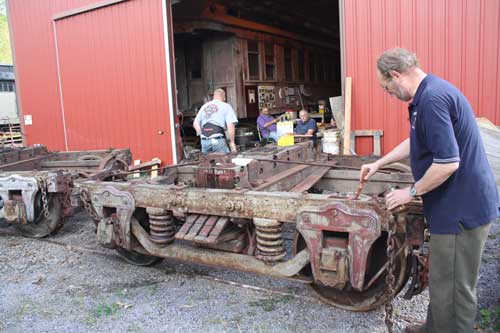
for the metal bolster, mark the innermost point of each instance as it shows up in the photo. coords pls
(281, 206)
(217, 258)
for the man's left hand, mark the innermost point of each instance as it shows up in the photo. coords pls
(397, 198)
(233, 147)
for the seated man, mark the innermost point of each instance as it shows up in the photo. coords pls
(306, 126)
(267, 125)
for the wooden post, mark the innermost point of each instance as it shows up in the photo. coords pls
(347, 116)
(137, 174)
(154, 167)
(376, 134)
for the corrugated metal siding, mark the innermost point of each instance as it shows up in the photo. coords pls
(455, 39)
(35, 65)
(112, 70)
(113, 75)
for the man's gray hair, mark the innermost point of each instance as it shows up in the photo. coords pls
(219, 92)
(397, 59)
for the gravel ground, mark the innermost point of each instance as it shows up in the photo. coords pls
(68, 283)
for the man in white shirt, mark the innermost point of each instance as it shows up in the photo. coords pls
(211, 123)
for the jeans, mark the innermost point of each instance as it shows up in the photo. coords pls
(214, 145)
(273, 136)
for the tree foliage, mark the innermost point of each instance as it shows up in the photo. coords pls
(5, 52)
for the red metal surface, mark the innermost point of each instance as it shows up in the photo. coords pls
(458, 40)
(113, 75)
(36, 76)
(363, 227)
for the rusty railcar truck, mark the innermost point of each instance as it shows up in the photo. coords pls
(36, 185)
(285, 212)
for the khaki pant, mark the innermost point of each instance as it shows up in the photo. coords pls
(454, 270)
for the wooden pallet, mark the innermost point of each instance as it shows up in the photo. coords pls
(13, 139)
(10, 134)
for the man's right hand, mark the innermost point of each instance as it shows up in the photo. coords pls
(233, 147)
(368, 170)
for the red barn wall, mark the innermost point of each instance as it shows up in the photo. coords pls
(457, 40)
(95, 79)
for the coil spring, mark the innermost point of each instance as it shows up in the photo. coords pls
(270, 243)
(161, 225)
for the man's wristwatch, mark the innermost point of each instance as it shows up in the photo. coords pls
(413, 191)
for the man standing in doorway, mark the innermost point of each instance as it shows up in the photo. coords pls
(211, 123)
(453, 178)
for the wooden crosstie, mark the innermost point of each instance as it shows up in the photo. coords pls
(202, 228)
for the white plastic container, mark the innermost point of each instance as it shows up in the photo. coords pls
(331, 142)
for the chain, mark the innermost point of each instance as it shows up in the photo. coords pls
(389, 279)
(87, 204)
(45, 201)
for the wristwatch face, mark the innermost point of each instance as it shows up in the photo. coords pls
(413, 191)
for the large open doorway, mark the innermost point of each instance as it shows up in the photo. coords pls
(280, 54)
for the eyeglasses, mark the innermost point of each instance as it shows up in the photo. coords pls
(386, 86)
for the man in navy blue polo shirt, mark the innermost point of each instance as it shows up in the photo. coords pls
(453, 178)
(306, 126)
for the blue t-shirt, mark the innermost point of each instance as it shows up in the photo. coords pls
(302, 127)
(444, 130)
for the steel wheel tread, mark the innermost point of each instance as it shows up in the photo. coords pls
(136, 258)
(352, 300)
(43, 226)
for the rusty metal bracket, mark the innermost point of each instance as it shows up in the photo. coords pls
(15, 212)
(111, 201)
(28, 186)
(332, 256)
(58, 182)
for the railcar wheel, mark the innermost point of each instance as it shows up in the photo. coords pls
(113, 162)
(373, 297)
(136, 258)
(43, 226)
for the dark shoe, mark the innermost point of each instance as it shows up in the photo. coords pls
(415, 329)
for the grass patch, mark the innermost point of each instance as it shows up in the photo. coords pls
(489, 319)
(134, 328)
(217, 321)
(38, 308)
(25, 308)
(122, 292)
(106, 310)
(270, 304)
(492, 236)
(154, 288)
